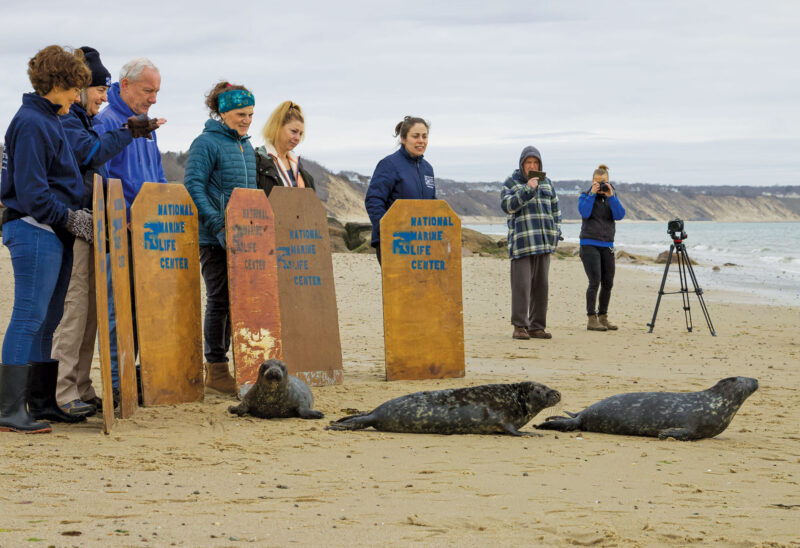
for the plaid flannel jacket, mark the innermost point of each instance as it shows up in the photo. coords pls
(534, 218)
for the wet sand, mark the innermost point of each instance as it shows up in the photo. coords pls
(193, 475)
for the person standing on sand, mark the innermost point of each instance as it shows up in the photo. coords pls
(139, 162)
(600, 208)
(42, 188)
(534, 228)
(404, 175)
(74, 338)
(276, 162)
(220, 159)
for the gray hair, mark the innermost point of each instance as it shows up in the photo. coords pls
(134, 68)
(84, 102)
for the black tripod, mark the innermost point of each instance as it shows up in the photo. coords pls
(684, 265)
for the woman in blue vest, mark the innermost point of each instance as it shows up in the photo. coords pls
(220, 159)
(41, 187)
(402, 175)
(600, 209)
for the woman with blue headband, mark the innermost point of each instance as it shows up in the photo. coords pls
(220, 159)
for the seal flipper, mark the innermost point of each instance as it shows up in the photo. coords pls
(680, 434)
(306, 413)
(353, 422)
(562, 424)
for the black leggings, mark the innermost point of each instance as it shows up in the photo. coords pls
(217, 323)
(598, 262)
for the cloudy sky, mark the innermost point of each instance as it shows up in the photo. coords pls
(679, 92)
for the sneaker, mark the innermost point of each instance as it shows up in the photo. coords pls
(520, 333)
(539, 334)
(78, 408)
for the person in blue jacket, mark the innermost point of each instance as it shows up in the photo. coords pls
(600, 208)
(139, 162)
(220, 159)
(42, 188)
(74, 339)
(402, 175)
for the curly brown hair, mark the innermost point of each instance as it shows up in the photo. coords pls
(212, 99)
(55, 66)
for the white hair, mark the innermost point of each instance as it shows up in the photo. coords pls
(133, 68)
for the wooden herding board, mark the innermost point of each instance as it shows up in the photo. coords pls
(309, 318)
(101, 294)
(423, 316)
(120, 278)
(166, 268)
(252, 283)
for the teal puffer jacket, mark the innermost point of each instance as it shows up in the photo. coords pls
(219, 161)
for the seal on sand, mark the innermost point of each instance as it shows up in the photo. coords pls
(680, 415)
(277, 395)
(487, 409)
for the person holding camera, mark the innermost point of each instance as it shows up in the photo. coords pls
(600, 208)
(534, 229)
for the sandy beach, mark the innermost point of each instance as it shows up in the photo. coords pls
(193, 475)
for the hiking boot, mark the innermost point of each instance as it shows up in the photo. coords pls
(219, 379)
(79, 408)
(594, 324)
(604, 321)
(520, 333)
(539, 334)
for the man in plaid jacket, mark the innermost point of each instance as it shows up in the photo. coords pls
(534, 228)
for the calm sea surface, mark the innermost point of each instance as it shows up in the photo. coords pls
(767, 254)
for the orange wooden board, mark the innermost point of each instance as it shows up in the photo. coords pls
(312, 350)
(101, 292)
(166, 268)
(118, 249)
(423, 315)
(252, 284)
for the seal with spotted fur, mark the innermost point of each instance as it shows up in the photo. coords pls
(277, 395)
(487, 409)
(680, 415)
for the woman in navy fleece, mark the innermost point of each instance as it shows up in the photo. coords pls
(402, 175)
(600, 209)
(42, 187)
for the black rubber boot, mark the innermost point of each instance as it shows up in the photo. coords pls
(42, 396)
(14, 415)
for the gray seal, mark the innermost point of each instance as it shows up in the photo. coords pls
(487, 409)
(680, 415)
(277, 395)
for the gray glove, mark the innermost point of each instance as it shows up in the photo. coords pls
(79, 223)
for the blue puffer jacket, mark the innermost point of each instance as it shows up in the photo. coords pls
(140, 161)
(398, 176)
(91, 150)
(219, 161)
(40, 176)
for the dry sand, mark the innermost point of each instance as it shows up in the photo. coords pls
(192, 475)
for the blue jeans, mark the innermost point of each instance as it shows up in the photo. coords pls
(42, 267)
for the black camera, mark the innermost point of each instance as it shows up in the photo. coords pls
(675, 229)
(604, 187)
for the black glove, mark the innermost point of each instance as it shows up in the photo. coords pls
(79, 223)
(141, 126)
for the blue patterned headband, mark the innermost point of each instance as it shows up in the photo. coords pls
(235, 98)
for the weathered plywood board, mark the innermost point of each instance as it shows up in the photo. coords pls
(423, 316)
(166, 263)
(252, 284)
(120, 278)
(101, 292)
(309, 318)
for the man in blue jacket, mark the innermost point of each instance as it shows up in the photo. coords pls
(140, 162)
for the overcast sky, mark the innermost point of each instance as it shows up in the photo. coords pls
(679, 92)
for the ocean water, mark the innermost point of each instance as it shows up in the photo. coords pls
(766, 255)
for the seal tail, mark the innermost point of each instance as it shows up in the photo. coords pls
(352, 422)
(562, 424)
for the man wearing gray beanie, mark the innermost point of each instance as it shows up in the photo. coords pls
(534, 228)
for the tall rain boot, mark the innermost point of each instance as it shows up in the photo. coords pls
(14, 415)
(42, 395)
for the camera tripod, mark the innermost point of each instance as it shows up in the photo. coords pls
(684, 266)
